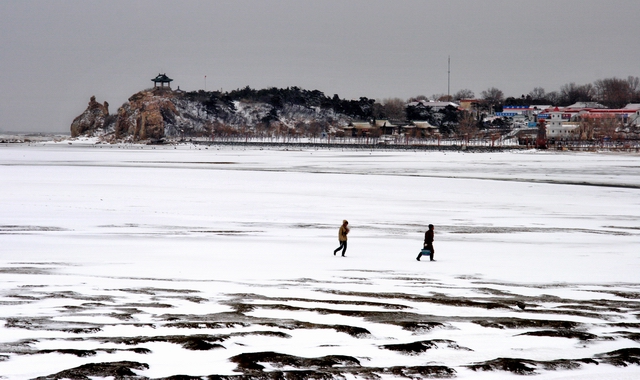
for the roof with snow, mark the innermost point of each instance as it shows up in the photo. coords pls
(424, 125)
(162, 78)
(433, 104)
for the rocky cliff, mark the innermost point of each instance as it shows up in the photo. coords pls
(159, 112)
(146, 115)
(93, 119)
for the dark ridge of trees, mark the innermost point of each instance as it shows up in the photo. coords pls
(521, 101)
(610, 92)
(279, 97)
(445, 119)
(616, 93)
(571, 93)
(213, 101)
(420, 112)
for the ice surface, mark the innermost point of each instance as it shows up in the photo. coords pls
(109, 241)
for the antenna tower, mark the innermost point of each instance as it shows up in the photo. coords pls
(449, 78)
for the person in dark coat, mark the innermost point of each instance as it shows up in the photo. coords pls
(342, 238)
(428, 243)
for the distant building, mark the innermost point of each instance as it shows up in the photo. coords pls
(469, 104)
(436, 106)
(559, 127)
(511, 111)
(634, 119)
(583, 105)
(387, 127)
(426, 129)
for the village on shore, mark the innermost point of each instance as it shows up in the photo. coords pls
(161, 115)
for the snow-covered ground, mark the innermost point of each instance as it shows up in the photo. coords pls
(199, 261)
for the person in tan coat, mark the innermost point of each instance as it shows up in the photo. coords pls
(342, 238)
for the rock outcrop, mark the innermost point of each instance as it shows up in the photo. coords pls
(146, 115)
(156, 113)
(92, 119)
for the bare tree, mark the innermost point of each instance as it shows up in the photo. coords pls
(395, 108)
(538, 93)
(464, 94)
(418, 98)
(572, 93)
(608, 127)
(378, 111)
(586, 129)
(492, 95)
(634, 87)
(467, 126)
(553, 97)
(615, 92)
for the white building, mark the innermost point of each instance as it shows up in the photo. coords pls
(558, 128)
(436, 106)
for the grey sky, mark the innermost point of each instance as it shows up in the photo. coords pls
(55, 54)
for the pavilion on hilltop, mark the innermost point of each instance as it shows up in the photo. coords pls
(162, 79)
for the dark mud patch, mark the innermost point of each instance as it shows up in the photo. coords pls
(250, 361)
(206, 325)
(80, 353)
(225, 232)
(26, 270)
(325, 368)
(189, 342)
(413, 348)
(409, 321)
(414, 372)
(629, 335)
(509, 230)
(419, 327)
(8, 229)
(621, 358)
(628, 325)
(186, 162)
(153, 305)
(386, 317)
(252, 296)
(623, 228)
(418, 372)
(416, 348)
(68, 351)
(623, 294)
(232, 320)
(528, 367)
(116, 370)
(194, 299)
(197, 342)
(571, 334)
(439, 299)
(155, 291)
(518, 323)
(79, 296)
(356, 332)
(49, 324)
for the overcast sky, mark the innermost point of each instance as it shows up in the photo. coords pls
(55, 54)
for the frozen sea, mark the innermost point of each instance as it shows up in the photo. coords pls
(202, 261)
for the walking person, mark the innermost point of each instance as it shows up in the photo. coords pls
(342, 238)
(428, 243)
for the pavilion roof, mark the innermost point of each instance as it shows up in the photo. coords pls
(162, 78)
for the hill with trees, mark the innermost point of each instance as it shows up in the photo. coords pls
(160, 112)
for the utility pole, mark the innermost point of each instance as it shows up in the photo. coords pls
(205, 83)
(449, 79)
